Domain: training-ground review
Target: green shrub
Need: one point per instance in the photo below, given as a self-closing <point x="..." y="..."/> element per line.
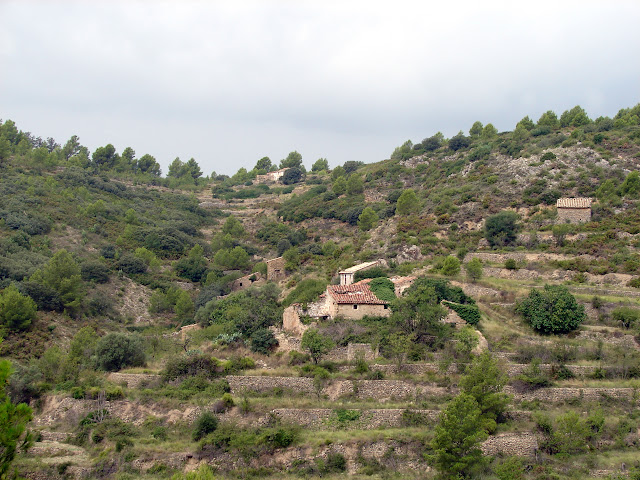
<point x="263" y="341"/>
<point x="548" y="156"/>
<point x="533" y="378"/>
<point x="336" y="462"/>
<point x="131" y="265"/>
<point x="626" y="316"/>
<point x="501" y="229"/>
<point x="280" y="437"/>
<point x="188" y="366"/>
<point x="510" y="264"/>
<point x="117" y="350"/>
<point x="383" y="288"/>
<point x="17" y="311"/>
<point x="451" y="266"/>
<point x="94" y="271"/>
<point x="552" y="310"/>
<point x="298" y="358"/>
<point x="205" y="424"/>
<point x="469" y="313"/>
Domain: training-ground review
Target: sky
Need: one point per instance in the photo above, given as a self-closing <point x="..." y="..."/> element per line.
<point x="228" y="83"/>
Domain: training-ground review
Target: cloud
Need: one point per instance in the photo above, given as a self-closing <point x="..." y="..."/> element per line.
<point x="230" y="82"/>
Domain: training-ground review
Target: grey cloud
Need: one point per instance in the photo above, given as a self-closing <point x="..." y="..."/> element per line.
<point x="229" y="82"/>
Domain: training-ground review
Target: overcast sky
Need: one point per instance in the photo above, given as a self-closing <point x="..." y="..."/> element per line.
<point x="228" y="82"/>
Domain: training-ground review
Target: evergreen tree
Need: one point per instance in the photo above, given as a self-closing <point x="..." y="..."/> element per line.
<point x="367" y="219"/>
<point x="457" y="439"/>
<point x="13" y="422"/>
<point x="407" y="203"/>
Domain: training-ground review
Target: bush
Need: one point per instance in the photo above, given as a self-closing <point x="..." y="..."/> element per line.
<point x="190" y="366"/>
<point x="469" y="313"/>
<point x="383" y="288"/>
<point x="204" y="425"/>
<point x="451" y="266"/>
<point x="131" y="265"/>
<point x="510" y="264"/>
<point x="552" y="310"/>
<point x="307" y="291"/>
<point x="117" y="350"/>
<point x="94" y="271"/>
<point x="263" y="341"/>
<point x="626" y="316"/>
<point x="17" y="311"/>
<point x="501" y="229"/>
<point x="298" y="358"/>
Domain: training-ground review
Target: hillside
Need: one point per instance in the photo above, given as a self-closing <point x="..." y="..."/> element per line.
<point x="102" y="261"/>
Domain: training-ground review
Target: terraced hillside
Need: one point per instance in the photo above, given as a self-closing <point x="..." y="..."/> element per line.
<point x="146" y="327"/>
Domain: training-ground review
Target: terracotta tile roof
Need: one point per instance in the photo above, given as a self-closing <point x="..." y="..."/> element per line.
<point x="573" y="203"/>
<point x="356" y="293"/>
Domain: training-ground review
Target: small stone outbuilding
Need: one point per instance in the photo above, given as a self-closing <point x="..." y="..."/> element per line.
<point x="275" y="269"/>
<point x="573" y="210"/>
<point x="347" y="276"/>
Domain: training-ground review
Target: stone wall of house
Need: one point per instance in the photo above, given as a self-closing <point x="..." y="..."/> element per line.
<point x="291" y="320"/>
<point x="573" y="215"/>
<point x="347" y="311"/>
<point x="275" y="269"/>
<point x="245" y="282"/>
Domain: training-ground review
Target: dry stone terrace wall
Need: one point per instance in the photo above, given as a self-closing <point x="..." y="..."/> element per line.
<point x="385" y="390"/>
<point x="561" y="394"/>
<point x="523" y="257"/>
<point x="135" y="380"/>
<point x="511" y="369"/>
<point x="67" y="411"/>
<point x="369" y="419"/>
<point x="381" y="390"/>
<point x="522" y="444"/>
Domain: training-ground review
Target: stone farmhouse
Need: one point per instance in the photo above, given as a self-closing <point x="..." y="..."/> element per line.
<point x="270" y="176"/>
<point x="352" y="301"/>
<point x="573" y="210"/>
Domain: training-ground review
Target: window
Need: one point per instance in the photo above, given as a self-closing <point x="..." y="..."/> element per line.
<point x="355" y="307"/>
<point x="386" y="307"/>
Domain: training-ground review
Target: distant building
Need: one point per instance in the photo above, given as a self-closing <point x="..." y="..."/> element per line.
<point x="347" y="276"/>
<point x="354" y="301"/>
<point x="347" y="301"/>
<point x="270" y="176"/>
<point x="275" y="269"/>
<point x="573" y="210"/>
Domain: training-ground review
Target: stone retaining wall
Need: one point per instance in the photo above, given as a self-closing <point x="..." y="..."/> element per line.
<point x="511" y="369"/>
<point x="369" y="419"/>
<point x="522" y="444"/>
<point x="381" y="390"/>
<point x="560" y="394"/>
<point x="135" y="380"/>
<point x="239" y="384"/>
